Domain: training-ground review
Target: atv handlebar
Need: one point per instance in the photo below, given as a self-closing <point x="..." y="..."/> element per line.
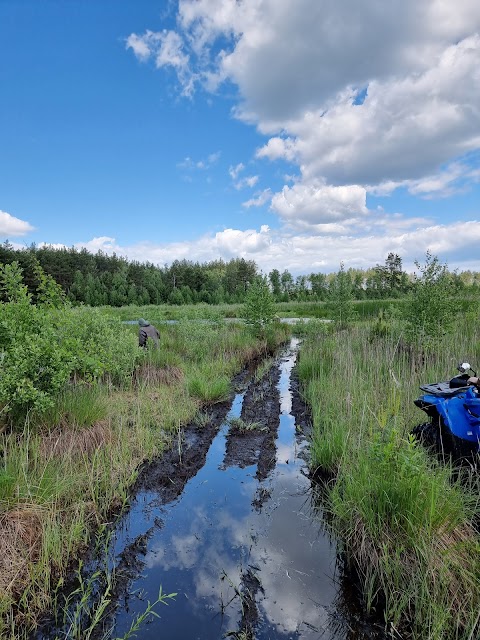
<point x="474" y="380"/>
<point x="463" y="381"/>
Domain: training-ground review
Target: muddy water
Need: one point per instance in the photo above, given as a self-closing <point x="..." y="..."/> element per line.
<point x="229" y="521"/>
<point x="241" y="545"/>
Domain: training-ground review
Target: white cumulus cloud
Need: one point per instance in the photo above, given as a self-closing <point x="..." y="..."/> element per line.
<point x="354" y="94"/>
<point x="404" y="129"/>
<point x="259" y="199"/>
<point x="304" y="205"/>
<point x="167" y="48"/>
<point x="12" y="227"/>
<point x="307" y="252"/>
<point x="358" y="99"/>
<point x="247" y="181"/>
<point x="234" y="171"/>
<point x="233" y="242"/>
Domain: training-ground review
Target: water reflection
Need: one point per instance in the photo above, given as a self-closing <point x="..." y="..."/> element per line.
<point x="228" y="320"/>
<point x="212" y="537"/>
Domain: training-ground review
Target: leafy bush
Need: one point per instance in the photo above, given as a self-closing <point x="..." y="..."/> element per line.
<point x="33" y="368"/>
<point x="43" y="348"/>
<point x="11" y="283"/>
<point x="100" y="345"/>
<point x="432" y="305"/>
<point x="259" y="308"/>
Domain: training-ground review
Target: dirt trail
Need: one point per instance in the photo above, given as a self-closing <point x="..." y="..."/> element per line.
<point x="228" y="520"/>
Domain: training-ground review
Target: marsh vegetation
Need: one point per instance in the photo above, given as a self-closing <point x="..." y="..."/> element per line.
<point x="82" y="408"/>
<point x="408" y="521"/>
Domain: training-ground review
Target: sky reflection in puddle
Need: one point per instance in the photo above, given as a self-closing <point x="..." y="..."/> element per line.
<point x="212" y="533"/>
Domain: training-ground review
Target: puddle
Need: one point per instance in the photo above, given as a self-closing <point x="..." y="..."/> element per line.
<point x="285" y="320"/>
<point x="239" y="537"/>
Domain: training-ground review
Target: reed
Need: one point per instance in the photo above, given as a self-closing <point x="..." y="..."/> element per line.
<point x="406" y="521"/>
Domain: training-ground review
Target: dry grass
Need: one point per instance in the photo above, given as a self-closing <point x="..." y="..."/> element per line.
<point x="70" y="443"/>
<point x="449" y="552"/>
<point x="452" y="551"/>
<point x="150" y="374"/>
<point x="20" y="544"/>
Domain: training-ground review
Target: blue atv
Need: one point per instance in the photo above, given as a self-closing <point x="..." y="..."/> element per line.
<point x="454" y="411"/>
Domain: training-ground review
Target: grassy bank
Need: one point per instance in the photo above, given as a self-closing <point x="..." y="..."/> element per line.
<point x="406" y="520"/>
<point x="294" y="309"/>
<point x="66" y="468"/>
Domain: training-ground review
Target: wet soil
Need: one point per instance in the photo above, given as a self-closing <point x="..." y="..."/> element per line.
<point x="169" y="475"/>
<point x="230" y="521"/>
<point x="253" y="442"/>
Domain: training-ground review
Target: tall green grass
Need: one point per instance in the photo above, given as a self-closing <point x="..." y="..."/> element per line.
<point x="207" y="385"/>
<point x="364" y="309"/>
<point x="79" y="406"/>
<point x="407" y="521"/>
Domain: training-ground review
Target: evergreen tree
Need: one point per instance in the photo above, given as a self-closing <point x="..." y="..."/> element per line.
<point x="389" y="280"/>
<point x="176" y="297"/>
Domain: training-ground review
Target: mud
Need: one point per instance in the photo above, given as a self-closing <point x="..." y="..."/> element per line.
<point x="261" y="408"/>
<point x="168" y="476"/>
<point x="228" y="519"/>
<point x="244" y="448"/>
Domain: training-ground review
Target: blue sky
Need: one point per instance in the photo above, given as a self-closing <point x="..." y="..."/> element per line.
<point x="296" y="133"/>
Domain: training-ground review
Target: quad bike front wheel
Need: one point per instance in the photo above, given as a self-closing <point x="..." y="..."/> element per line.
<point x="433" y="435"/>
<point x="429" y="435"/>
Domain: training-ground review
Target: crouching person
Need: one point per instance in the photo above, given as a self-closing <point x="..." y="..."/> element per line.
<point x="147" y="331"/>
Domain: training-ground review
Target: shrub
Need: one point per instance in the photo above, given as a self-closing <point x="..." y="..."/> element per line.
<point x="44" y="348"/>
<point x="259" y="308"/>
<point x="341" y="298"/>
<point x="432" y="305"/>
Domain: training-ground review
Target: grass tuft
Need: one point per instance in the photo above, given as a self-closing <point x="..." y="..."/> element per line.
<point x="238" y="425"/>
<point x="150" y="374"/>
<point x="208" y="385"/>
<point x="77" y="407"/>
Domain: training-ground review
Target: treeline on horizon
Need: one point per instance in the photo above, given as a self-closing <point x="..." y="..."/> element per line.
<point x="100" y="279"/>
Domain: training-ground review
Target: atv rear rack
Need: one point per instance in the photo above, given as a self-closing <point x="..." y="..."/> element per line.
<point x="442" y="389"/>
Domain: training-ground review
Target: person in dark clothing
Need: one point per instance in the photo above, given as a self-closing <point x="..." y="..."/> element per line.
<point x="146" y="331"/>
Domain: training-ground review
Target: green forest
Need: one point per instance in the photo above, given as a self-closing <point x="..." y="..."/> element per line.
<point x="99" y="279"/>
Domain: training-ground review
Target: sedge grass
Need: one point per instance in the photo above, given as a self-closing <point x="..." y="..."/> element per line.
<point x="240" y="426"/>
<point x="262" y="368"/>
<point x="208" y="386"/>
<point x="406" y="520"/>
<point x="81" y="406"/>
